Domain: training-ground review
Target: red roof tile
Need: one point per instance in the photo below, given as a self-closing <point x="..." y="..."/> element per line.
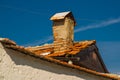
<point x="31" y="52"/>
<point x="77" y="47"/>
<point x="7" y="41"/>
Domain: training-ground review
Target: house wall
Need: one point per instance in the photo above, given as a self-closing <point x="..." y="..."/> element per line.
<point x="15" y="65"/>
<point x="90" y="59"/>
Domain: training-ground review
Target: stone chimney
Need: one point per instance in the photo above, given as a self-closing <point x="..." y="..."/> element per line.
<point x="63" y="31"/>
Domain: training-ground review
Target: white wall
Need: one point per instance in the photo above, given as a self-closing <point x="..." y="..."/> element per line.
<point x="18" y="66"/>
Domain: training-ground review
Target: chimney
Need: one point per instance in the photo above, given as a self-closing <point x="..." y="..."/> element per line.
<point x="63" y="31"/>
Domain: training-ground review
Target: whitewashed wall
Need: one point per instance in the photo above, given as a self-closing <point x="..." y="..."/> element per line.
<point x="17" y="66"/>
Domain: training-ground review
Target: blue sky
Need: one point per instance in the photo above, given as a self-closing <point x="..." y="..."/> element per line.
<point x="27" y="23"/>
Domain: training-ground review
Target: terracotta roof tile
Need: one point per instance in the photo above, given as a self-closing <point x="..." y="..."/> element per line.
<point x="77" y="47"/>
<point x="31" y="52"/>
<point x="7" y="41"/>
<point x="41" y="49"/>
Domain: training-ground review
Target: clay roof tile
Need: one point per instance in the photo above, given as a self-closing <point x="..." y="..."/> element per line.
<point x="49" y="58"/>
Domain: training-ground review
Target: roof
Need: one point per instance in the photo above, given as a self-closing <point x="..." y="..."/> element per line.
<point x="77" y="47"/>
<point x="39" y="50"/>
<point x="30" y="51"/>
<point x="62" y="15"/>
<point x="47" y="50"/>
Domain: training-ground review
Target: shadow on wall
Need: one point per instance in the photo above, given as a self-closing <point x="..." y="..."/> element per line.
<point x="26" y="60"/>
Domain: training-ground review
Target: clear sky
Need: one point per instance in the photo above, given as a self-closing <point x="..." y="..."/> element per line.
<point x="27" y="23"/>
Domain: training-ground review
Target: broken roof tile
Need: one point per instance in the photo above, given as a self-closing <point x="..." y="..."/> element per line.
<point x="41" y="49"/>
<point x="77" y="47"/>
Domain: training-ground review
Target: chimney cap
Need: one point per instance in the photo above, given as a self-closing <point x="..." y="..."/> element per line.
<point x="62" y="15"/>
